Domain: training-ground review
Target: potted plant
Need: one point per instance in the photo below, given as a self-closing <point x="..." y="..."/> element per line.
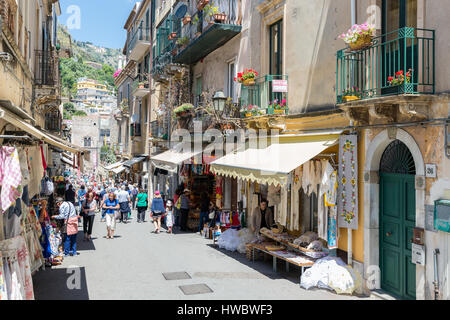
<point x="173" y="35"/>
<point x="183" y="110"/>
<point x="201" y="4"/>
<point x="209" y="13"/>
<point x="400" y="78"/>
<point x="182" y="42"/>
<point x="186" y="19"/>
<point x="359" y="37"/>
<point x="351" y="94"/>
<point x="141" y="85"/>
<point x="247" y="78"/>
<point x="276" y="107"/>
<point x="249" y="111"/>
<point x="220" y="17"/>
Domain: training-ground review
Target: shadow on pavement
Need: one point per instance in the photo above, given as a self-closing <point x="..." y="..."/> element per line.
<point x="264" y="267"/>
<point x="84" y="245"/>
<point x="61" y="284"/>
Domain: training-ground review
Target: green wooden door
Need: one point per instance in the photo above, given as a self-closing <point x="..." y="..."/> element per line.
<point x="397" y="221"/>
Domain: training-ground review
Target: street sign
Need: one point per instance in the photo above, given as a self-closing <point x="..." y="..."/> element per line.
<point x="280" y="86"/>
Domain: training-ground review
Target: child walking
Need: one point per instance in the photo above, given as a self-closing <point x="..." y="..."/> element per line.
<point x="169" y="216"/>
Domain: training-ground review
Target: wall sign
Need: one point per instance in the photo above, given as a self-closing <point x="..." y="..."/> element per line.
<point x="348" y="182"/>
<point x="418" y="254"/>
<point x="280" y="86"/>
<point x="430" y="171"/>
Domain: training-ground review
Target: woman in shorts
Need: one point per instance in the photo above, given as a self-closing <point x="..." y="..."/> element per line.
<point x="157" y="210"/>
<point x="111" y="205"/>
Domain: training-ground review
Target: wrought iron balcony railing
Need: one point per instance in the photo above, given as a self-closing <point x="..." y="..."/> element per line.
<point x="269" y="95"/>
<point x="399" y="62"/>
<point x="46" y="71"/>
<point x="141" y="34"/>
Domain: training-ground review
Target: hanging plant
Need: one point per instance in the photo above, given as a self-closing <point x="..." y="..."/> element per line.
<point x="182" y="110"/>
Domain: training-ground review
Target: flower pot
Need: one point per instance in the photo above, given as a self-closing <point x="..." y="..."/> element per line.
<point x="362" y="43"/>
<point x="249" y="82"/>
<point x="349" y="98"/>
<point x="248" y="114"/>
<point x="201" y="4"/>
<point x="220" y="17"/>
<point x="173" y="35"/>
<point x="186" y="20"/>
<point x="141" y="86"/>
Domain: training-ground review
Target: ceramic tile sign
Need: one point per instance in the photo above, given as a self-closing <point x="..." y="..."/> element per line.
<point x="430" y="170"/>
<point x="280" y="86"/>
<point x="348" y="182"/>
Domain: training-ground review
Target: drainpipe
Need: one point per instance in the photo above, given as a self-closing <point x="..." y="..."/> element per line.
<point x="436" y="275"/>
<point x="350" y="231"/>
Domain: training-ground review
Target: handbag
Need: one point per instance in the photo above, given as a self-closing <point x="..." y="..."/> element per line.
<point x="212" y="215"/>
<point x="72" y="226"/>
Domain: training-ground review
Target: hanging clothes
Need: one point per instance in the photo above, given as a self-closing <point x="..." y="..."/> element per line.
<point x="333" y="235"/>
<point x="295" y="199"/>
<point x="24" y="165"/>
<point x="10" y="176"/>
<point x="329" y="183"/>
<point x="36" y="170"/>
<point x="19" y="263"/>
<point x="283" y="207"/>
<point x="306" y="181"/>
<point x="273" y="195"/>
<point x="322" y="210"/>
<point x="3" y="291"/>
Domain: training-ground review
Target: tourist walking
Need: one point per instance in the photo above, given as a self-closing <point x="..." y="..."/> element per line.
<point x="142" y="205"/>
<point x="70" y="194"/>
<point x="89" y="208"/>
<point x="103" y="197"/>
<point x="125" y="203"/>
<point x="81" y="195"/>
<point x="68" y="213"/>
<point x="111" y="205"/>
<point x="184" y="208"/>
<point x="134" y="193"/>
<point x="170" y="217"/>
<point x="157" y="211"/>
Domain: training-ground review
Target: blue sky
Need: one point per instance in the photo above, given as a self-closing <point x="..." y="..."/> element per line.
<point x="100" y="21"/>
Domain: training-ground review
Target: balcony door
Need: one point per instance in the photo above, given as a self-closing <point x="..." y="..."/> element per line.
<point x="276" y="48"/>
<point x="398" y="14"/>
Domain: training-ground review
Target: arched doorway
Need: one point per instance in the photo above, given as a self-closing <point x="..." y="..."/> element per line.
<point x="397" y="220"/>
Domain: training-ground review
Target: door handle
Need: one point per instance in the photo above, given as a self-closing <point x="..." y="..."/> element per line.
<point x="388" y="234"/>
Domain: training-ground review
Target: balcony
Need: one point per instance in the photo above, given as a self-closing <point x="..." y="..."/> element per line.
<point x="141" y="86"/>
<point x="399" y="63"/>
<point x="138" y="44"/>
<point x="205" y="34"/>
<point x="165" y="47"/>
<point x="46" y="73"/>
<point x="268" y="96"/>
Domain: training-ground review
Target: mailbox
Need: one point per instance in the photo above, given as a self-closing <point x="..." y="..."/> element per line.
<point x="442" y="215"/>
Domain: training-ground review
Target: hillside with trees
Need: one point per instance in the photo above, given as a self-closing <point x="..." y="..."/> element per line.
<point x="74" y="68"/>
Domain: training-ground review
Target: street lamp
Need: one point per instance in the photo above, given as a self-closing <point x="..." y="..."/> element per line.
<point x="219" y="101"/>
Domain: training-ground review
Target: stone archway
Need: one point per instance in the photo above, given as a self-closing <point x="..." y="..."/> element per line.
<point x="374" y="153"/>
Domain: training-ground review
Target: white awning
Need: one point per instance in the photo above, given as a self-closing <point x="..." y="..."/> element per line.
<point x="21" y="124"/>
<point x="272" y="164"/>
<point x="170" y="160"/>
<point x="114" y="166"/>
<point x="68" y="161"/>
<point x="118" y="169"/>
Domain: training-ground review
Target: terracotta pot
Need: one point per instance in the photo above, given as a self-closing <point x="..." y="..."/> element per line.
<point x="249" y="82"/>
<point x="220" y="17"/>
<point x="186" y="20"/>
<point x="201" y="4"/>
<point x="141" y="86"/>
<point x="349" y="98"/>
<point x="173" y="35"/>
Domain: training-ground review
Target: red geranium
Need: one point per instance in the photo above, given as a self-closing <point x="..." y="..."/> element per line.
<point x="247" y="74"/>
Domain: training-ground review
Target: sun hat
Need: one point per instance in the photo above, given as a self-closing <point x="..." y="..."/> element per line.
<point x="157" y="193"/>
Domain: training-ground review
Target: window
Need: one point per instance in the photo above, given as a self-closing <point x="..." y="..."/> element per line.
<point x="276" y="48"/>
<point x="231" y="88"/>
<point x="87" y="141"/>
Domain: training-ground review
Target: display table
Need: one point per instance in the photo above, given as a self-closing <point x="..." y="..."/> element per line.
<point x="290" y="258"/>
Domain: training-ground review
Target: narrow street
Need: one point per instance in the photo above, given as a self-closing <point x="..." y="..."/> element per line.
<point x="132" y="265"/>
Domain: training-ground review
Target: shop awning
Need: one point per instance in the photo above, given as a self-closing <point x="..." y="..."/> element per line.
<point x="119" y="169"/>
<point x="170" y="159"/>
<point x="80" y="149"/>
<point x="21" y="124"/>
<point x="114" y="166"/>
<point x="272" y="165"/>
<point x="133" y="161"/>
<point x="68" y="161"/>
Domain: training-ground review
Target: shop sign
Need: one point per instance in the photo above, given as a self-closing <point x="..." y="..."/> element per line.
<point x="348" y="182"/>
<point x="280" y="86"/>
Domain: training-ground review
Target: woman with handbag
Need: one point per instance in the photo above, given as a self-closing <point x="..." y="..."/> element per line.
<point x="157" y="211"/>
<point x="68" y="213"/>
<point x="111" y="206"/>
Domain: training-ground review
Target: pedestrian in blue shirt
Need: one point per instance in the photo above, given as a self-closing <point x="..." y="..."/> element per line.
<point x="157" y="210"/>
<point x="111" y="205"/>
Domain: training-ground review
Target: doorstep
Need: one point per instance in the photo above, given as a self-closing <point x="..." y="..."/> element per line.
<point x="381" y="294"/>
